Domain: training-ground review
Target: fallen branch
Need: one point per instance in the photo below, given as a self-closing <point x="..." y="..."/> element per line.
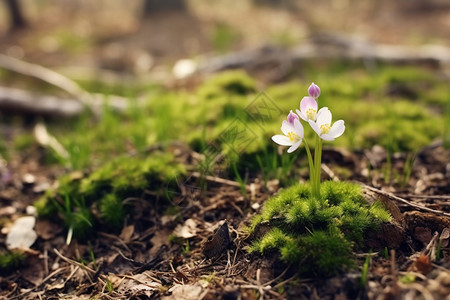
<point x="12" y="99"/>
<point x="324" y="47"/>
<point x="49" y="76"/>
<point x="17" y="100"/>
<point x="409" y="203"/>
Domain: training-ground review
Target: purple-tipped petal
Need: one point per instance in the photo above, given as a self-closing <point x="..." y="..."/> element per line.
<point x="314" y="90"/>
<point x="281" y="140"/>
<point x="337" y="129"/>
<point x="291" y="117"/>
<point x="315" y="127"/>
<point x="306" y="103"/>
<point x="294" y="147"/>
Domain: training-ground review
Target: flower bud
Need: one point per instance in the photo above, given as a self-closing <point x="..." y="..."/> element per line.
<point x="314" y="91"/>
<point x="291" y="117"/>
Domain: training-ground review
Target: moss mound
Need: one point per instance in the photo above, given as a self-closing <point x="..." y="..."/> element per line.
<point x="319" y="234"/>
<point x="11" y="260"/>
<point x="98" y="198"/>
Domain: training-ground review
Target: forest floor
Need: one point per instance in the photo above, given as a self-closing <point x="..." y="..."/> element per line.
<point x="171" y="242"/>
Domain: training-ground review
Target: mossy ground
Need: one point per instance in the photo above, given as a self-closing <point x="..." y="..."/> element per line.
<point x="400" y="108"/>
<point x="317" y="234"/>
<point x="99" y="198"/>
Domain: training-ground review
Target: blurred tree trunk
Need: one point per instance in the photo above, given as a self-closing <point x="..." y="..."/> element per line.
<point x="280" y="4"/>
<point x="15" y="12"/>
<point x="155" y="6"/>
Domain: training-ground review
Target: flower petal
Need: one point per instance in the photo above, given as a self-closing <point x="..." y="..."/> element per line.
<point x="327" y="137"/>
<point x="315" y="127"/>
<point x="321" y="110"/>
<point x="302" y="115"/>
<point x="308" y="102"/>
<point x="337" y="129"/>
<point x="324" y="117"/>
<point x="298" y="128"/>
<point x="294" y="147"/>
<point x="291" y="117"/>
<point x="281" y="140"/>
<point x="286" y="127"/>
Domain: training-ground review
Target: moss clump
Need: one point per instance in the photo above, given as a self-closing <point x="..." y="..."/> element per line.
<point x="319" y="233"/>
<point x="129" y="176"/>
<point x="112" y="210"/>
<point x="228" y="83"/>
<point x="10" y="260"/>
<point x="104" y="190"/>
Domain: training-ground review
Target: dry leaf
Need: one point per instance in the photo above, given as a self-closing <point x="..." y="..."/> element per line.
<point x="127" y="233"/>
<point x="218" y="242"/>
<point x="444" y="238"/>
<point x="187" y="292"/>
<point x="423" y="264"/>
<point x="22" y="234"/>
<point x="138" y="285"/>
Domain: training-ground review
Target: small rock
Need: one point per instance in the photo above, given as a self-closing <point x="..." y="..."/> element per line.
<point x="28" y="179"/>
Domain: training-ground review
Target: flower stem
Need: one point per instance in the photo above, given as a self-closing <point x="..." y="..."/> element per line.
<point x="317" y="166"/>
<point x="312" y="171"/>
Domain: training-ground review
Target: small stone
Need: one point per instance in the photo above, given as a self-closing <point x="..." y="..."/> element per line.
<point x="28" y="178"/>
<point x="256" y="206"/>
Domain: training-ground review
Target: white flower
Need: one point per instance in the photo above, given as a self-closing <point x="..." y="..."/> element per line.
<point x="323" y="126"/>
<point x="308" y="109"/>
<point x="293" y="135"/>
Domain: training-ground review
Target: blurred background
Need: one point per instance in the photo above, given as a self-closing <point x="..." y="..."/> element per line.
<point x="154" y="65"/>
<point x="148" y="38"/>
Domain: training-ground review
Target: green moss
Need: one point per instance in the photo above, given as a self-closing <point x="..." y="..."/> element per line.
<point x="106" y="188"/>
<point x="389" y="106"/>
<point x="129" y="176"/>
<point x="112" y="210"/>
<point x="319" y="233"/>
<point x="23" y="142"/>
<point x="10" y="260"/>
<point x="227" y="83"/>
<point x="323" y="252"/>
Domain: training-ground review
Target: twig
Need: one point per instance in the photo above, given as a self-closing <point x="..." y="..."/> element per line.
<point x="218" y="180"/>
<point x="394" y="270"/>
<point x="425" y="293"/>
<point x="393" y="197"/>
<point x="49" y="76"/>
<point x="286" y="281"/>
<point x="329" y="172"/>
<point x="56" y="272"/>
<point x="47" y="140"/>
<point x="116" y="238"/>
<point x="85" y="268"/>
<point x="278" y="277"/>
<point x="445" y="197"/>
<point x="431" y="244"/>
